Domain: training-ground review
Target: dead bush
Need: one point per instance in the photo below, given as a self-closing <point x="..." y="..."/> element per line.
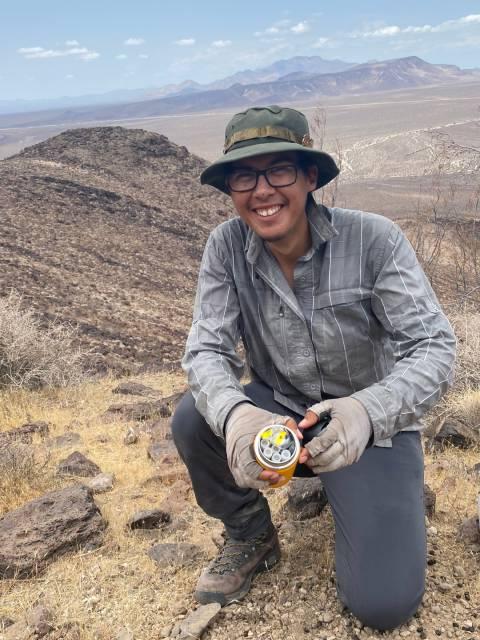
<point x="22" y="470"/>
<point x="34" y="356"/>
<point x="466" y="325"/>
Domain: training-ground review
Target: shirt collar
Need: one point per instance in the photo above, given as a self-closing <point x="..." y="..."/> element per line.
<point x="321" y="230"/>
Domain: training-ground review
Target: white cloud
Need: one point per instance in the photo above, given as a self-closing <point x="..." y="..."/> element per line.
<point x="471" y="18"/>
<point x="220" y="44"/>
<point x="301" y="27"/>
<point x="27" y="50"/>
<point x="395" y="30"/>
<point x="121" y="56"/>
<point x="185" y="42"/>
<point x="143" y="56"/>
<point x="39" y="52"/>
<point x="280" y="26"/>
<point x="323" y="43"/>
<point x="91" y="55"/>
<point x="72" y="43"/>
<point x="134" y="42"/>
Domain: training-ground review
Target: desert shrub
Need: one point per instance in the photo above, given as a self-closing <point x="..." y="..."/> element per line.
<point x="466" y="325"/>
<point x="462" y="403"/>
<point x="22" y="472"/>
<point x="34" y="356"/>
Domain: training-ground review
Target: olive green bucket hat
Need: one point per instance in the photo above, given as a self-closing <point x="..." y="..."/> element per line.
<point x="261" y="130"/>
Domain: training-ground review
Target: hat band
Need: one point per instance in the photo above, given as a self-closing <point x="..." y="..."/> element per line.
<point x="267" y="132"/>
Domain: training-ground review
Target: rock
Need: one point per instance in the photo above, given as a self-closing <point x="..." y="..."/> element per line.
<point x="195" y="624"/>
<point x="327" y="617"/>
<point x="476" y="469"/>
<point x="306" y="498"/>
<point x="37" y="623"/>
<point x="101" y="483"/>
<point x="167" y="476"/>
<point x="65" y="440"/>
<point x="35" y="427"/>
<point x="78" y="465"/>
<point x="131" y="388"/>
<point x="140" y="410"/>
<point x="39" y="619"/>
<point x="66" y="631"/>
<point x="149" y="519"/>
<point x="444" y="587"/>
<point x="124" y="634"/>
<point x="469" y="530"/>
<point x="429" y="498"/>
<point x="39" y="531"/>
<point x="158" y="450"/>
<point x="455" y="434"/>
<point x="24" y="433"/>
<point x="175" y="554"/>
<point x="173" y="400"/>
<point x="159" y="429"/>
<point x="5" y="622"/>
<point x="131" y="437"/>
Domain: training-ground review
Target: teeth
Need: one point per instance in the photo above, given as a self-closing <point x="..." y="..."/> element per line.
<point x="268" y="212"/>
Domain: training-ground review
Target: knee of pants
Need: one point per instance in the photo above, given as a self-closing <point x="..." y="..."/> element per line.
<point x="387" y="611"/>
<point x="187" y="425"/>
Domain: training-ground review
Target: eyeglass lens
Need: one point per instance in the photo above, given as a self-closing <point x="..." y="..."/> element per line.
<point x="246" y="179"/>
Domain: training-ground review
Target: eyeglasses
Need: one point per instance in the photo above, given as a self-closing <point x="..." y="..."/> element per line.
<point x="247" y="179"/>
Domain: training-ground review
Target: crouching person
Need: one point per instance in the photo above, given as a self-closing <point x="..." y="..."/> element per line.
<point x="336" y="316"/>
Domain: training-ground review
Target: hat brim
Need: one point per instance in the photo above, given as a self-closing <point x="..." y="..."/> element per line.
<point x="214" y="175"/>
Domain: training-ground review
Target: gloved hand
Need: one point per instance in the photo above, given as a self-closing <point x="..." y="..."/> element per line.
<point x="344" y="439"/>
<point x="243" y="424"/>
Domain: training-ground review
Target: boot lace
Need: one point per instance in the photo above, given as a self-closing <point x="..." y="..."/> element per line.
<point x="234" y="554"/>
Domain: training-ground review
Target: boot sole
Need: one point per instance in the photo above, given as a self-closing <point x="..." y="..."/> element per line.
<point x="207" y="597"/>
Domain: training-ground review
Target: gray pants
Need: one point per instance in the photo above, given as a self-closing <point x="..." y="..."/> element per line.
<point x="377" y="505"/>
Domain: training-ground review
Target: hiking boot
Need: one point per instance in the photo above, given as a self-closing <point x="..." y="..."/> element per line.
<point x="229" y="575"/>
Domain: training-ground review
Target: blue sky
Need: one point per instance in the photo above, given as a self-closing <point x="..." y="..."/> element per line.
<point x="52" y="48"/>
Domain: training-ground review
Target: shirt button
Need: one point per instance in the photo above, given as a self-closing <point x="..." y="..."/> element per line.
<point x="306" y="353"/>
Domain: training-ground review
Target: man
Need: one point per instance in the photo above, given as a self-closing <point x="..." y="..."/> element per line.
<point x="335" y="315"/>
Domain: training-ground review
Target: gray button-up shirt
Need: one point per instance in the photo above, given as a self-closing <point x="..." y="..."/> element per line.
<point x="362" y="320"/>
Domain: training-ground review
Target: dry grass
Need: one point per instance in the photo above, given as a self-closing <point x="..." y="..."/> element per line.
<point x="34" y="356"/>
<point x="118" y="586"/>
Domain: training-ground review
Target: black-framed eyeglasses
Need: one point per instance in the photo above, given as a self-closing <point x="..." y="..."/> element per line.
<point x="282" y="175"/>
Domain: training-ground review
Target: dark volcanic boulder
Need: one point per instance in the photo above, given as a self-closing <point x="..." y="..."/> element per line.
<point x="78" y="465"/>
<point x="39" y="531"/>
<point x="306" y="498"/>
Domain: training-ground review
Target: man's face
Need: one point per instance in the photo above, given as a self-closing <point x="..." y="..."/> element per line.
<point x="276" y="214"/>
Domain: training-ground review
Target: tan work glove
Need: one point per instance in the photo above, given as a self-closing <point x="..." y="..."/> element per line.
<point x="343" y="440"/>
<point x="243" y="424"/>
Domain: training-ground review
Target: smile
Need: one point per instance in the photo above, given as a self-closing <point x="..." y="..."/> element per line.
<point x="268" y="211"/>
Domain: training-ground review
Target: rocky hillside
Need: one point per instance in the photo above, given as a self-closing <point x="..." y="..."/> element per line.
<point x="104" y="228"/>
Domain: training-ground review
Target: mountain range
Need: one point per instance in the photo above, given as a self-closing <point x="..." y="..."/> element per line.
<point x="294" y="87"/>
<point x="274" y="71"/>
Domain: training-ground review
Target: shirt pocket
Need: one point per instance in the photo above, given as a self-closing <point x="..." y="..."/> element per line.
<point x="345" y="331"/>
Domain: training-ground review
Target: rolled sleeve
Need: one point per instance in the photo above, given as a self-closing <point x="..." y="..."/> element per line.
<point x="212" y="364"/>
<point x="405" y="304"/>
